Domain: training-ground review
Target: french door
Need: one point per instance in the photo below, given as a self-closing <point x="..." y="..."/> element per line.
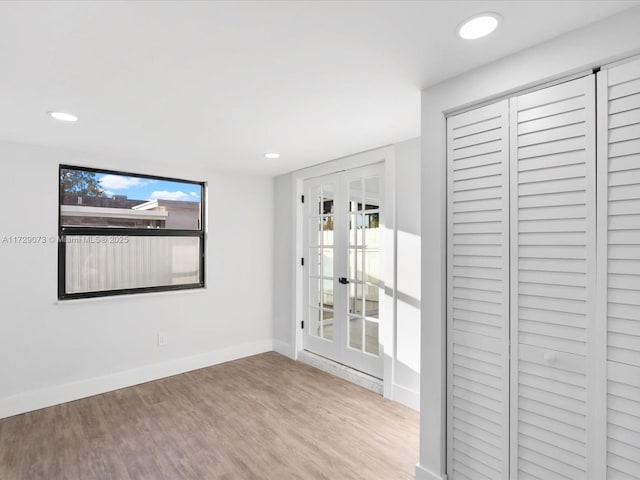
<point x="343" y="219"/>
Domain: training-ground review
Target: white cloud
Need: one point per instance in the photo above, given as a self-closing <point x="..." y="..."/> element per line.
<point x="117" y="182"/>
<point x="194" y="194"/>
<point x="166" y="195"/>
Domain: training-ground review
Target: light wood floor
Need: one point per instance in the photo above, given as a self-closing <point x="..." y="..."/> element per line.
<point x="262" y="417"/>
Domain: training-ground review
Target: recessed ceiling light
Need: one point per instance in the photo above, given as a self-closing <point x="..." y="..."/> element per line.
<point x="479" y="26"/>
<point x="65" y="117"/>
<point x="272" y="155"/>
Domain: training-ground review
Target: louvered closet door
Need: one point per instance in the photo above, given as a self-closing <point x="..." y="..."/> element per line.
<point x="619" y="244"/>
<point x="478" y="294"/>
<point x="553" y="280"/>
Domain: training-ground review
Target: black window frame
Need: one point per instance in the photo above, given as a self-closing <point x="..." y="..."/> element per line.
<point x="64" y="231"/>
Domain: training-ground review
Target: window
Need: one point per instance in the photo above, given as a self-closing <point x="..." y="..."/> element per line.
<point x="128" y="233"/>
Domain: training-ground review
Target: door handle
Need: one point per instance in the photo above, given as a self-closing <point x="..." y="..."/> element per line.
<point x="343" y="280"/>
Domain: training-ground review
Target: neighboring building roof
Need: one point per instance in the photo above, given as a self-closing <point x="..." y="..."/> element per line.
<point x="104" y="212"/>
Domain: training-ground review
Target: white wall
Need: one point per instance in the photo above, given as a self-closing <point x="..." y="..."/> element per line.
<point x="407" y="350"/>
<point x="404" y="386"/>
<point x="580" y="50"/>
<point x="284" y="262"/>
<point x="53" y="351"/>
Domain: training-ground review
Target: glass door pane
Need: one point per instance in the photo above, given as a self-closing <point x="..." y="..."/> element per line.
<point x="363" y="264"/>
<point x="321" y="257"/>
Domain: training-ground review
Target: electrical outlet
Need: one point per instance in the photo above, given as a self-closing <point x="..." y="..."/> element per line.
<point x="163" y="339"/>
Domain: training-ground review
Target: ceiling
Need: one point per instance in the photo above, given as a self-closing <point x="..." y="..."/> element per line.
<point x="220" y="84"/>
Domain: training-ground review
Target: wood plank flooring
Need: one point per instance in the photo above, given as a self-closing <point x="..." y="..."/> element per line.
<point x="261" y="417"/>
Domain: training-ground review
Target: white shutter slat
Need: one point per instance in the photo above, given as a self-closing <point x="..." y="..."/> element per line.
<point x="544" y="289"/>
<point x="567" y="429"/>
<point x="478" y="194"/>
<point x="564" y="376"/>
<point x="476" y="183"/>
<point x="619" y="210"/>
<point x="630" y="282"/>
<point x="628" y="162"/>
<point x="559" y="120"/>
<point x="550" y="161"/>
<point x="477" y="272"/>
<point x="554" y="199"/>
<point x="623" y="192"/>
<point x="477" y="171"/>
<point x="626" y="132"/>
<point x="564" y="238"/>
<point x="626" y="177"/>
<point x="550" y="134"/>
<point x="477" y="205"/>
<point x="474" y="151"/>
<point x="477" y="441"/>
<point x="553" y="186"/>
<point x="622" y="467"/>
<point x="551" y="278"/>
<point x="545" y="316"/>
<point x="551" y="109"/>
<point x="561" y="468"/>
<point x="477" y="319"/>
<point x="624" y="118"/>
<point x="462" y="472"/>
<point x="624" y="89"/>
<point x="624" y="104"/>
<point x="625" y="207"/>
<point x="552" y="147"/>
<point x="624" y="222"/>
<point x="623" y="73"/>
<point x="484" y="136"/>
<point x="552" y="173"/>
<point x="550" y="319"/>
<point x="626" y="327"/>
<point x="477" y="161"/>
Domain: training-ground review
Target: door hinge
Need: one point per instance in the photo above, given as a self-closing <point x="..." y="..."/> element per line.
<point x="302" y="198"/>
<point x="302" y="324"/>
<point x="302" y="261"/>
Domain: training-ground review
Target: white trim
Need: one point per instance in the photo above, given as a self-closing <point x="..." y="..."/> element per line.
<point x="618" y="62"/>
<point x="406" y="396"/>
<point x="423" y="474"/>
<point x="284" y="348"/>
<point x="341" y="371"/>
<point x="384" y="154"/>
<point x="596" y="433"/>
<point x="57" y="394"/>
<point x="557" y="80"/>
<point x="599" y="327"/>
<point x="513" y="267"/>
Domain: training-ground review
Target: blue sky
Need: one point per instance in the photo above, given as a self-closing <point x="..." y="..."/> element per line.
<point x="148" y="189"/>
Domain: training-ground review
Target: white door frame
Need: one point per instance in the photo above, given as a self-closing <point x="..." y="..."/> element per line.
<point x="388" y="254"/>
<point x="338" y="348"/>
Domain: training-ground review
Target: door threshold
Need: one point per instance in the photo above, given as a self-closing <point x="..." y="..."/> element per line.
<point x="339" y="370"/>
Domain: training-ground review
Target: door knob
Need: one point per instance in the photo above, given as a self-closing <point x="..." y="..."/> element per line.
<point x="343" y="280"/>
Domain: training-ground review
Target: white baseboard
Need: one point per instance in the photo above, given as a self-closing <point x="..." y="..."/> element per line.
<point x="284" y="348"/>
<point x="424" y="474"/>
<point x="407" y="397"/>
<point x="36" y="399"/>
